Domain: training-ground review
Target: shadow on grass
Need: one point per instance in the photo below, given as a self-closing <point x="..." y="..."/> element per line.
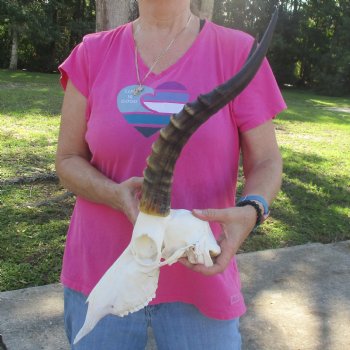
<point x="24" y="164"/>
<point x="32" y="238"/>
<point x="27" y="139"/>
<point x="302" y="285"/>
<point x="19" y="76"/>
<point x="313" y="206"/>
<point x="304" y="107"/>
<point x="23" y="93"/>
<point x="23" y="100"/>
<point x="319" y="199"/>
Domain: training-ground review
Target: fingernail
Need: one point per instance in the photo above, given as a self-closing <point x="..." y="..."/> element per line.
<point x="198" y="211"/>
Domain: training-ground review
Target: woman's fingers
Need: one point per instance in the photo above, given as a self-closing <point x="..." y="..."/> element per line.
<point x="219" y="215"/>
<point x="220" y="262"/>
<point x="130" y="191"/>
<point x="236" y="224"/>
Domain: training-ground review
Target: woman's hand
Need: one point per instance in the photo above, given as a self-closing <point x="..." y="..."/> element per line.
<point x="262" y="166"/>
<point x="236" y="225"/>
<point x="128" y="197"/>
<point x="73" y="162"/>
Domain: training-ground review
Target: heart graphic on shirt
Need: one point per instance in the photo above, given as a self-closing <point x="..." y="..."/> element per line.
<point x="150" y="111"/>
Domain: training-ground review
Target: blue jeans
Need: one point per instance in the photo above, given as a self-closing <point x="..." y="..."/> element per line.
<point x="175" y="326"/>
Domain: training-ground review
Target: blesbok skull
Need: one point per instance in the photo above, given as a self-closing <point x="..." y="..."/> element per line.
<point x="161" y="235"/>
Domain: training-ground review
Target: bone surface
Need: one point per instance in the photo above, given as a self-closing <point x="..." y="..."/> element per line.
<point x="125" y="287"/>
<point x="131" y="282"/>
<point x="187" y="236"/>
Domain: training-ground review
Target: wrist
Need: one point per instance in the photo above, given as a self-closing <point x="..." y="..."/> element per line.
<point x="248" y="213"/>
<point x="113" y="194"/>
<point x="253" y="205"/>
<point x="261" y="202"/>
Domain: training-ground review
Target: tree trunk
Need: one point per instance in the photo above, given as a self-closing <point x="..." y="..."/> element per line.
<point x="203" y="8"/>
<point x="14" y="50"/>
<point x="111" y="13"/>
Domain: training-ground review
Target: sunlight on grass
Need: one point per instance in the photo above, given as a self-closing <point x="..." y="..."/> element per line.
<point x="335" y="102"/>
<point x="32" y="237"/>
<point x="313" y="205"/>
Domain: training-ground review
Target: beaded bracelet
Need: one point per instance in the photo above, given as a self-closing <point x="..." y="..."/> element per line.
<point x="257" y="208"/>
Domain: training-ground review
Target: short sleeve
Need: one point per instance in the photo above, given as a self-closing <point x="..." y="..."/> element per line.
<point x="260" y="101"/>
<point x="75" y="69"/>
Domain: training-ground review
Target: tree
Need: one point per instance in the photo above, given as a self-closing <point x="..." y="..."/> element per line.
<point x="39" y="34"/>
<point x="327" y="35"/>
<point x="310" y="46"/>
<point x="203" y="8"/>
<point x="111" y="13"/>
<point x="13" y="14"/>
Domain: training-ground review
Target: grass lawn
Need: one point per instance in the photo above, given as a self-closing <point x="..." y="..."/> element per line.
<point x="314" y="203"/>
<point x="313" y="206"/>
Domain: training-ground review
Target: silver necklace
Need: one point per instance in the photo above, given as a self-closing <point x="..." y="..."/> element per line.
<point x="138" y="89"/>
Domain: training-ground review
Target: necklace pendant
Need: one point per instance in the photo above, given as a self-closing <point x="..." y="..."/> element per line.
<point x="138" y="90"/>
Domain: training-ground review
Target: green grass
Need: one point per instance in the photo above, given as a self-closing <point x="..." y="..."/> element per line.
<point x="29" y="111"/>
<point x="313" y="206"/>
<point x="32" y="238"/>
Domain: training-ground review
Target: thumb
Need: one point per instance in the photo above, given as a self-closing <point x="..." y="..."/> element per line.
<point x="136" y="181"/>
<point x="220" y="215"/>
<point x="135" y="184"/>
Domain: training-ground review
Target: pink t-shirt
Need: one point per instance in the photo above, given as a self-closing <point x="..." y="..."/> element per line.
<point x="121" y="128"/>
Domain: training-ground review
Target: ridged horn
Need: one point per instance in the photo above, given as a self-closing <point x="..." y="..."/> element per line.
<point x="158" y="175"/>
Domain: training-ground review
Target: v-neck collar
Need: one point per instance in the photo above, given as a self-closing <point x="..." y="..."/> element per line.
<point x="144" y="68"/>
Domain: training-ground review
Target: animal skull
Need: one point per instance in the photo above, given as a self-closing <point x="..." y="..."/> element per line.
<point x="161" y="236"/>
<point x="187" y="236"/>
<point x="131" y="282"/>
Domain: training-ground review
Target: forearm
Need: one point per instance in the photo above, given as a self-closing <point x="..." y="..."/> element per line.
<point x="262" y="162"/>
<point x="264" y="178"/>
<point x="80" y="177"/>
<point x="262" y="166"/>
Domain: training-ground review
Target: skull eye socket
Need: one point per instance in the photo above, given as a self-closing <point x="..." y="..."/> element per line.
<point x="145" y="249"/>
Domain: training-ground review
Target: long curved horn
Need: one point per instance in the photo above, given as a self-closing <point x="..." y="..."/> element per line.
<point x="158" y="175"/>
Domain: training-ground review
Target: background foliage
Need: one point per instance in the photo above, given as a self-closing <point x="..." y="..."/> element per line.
<point x="311" y="47"/>
<point x="48" y="29"/>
